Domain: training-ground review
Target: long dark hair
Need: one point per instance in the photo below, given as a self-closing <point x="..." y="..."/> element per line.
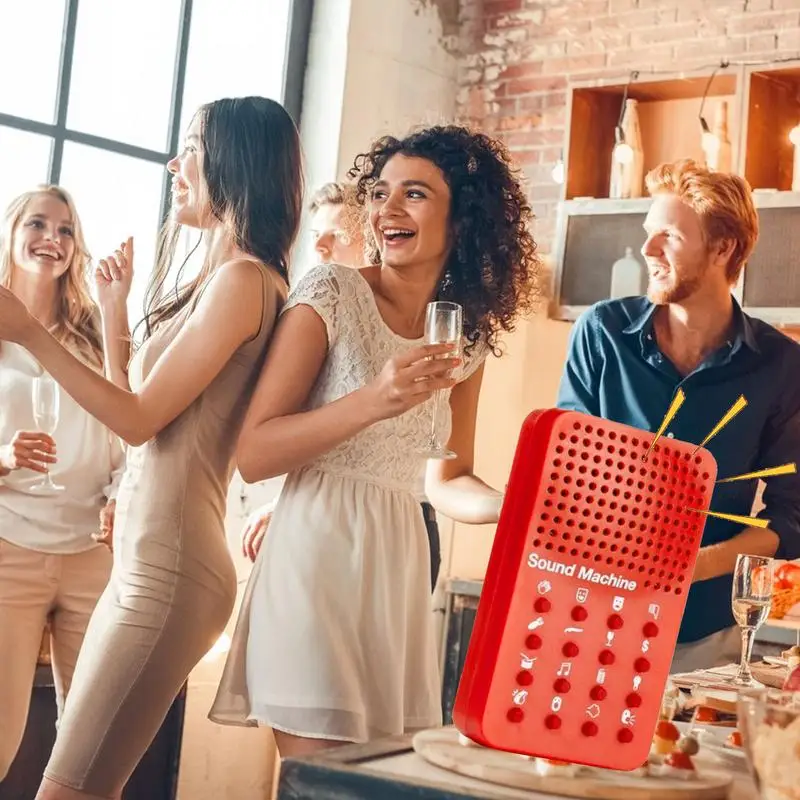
<point x="252" y="167"/>
<point x="493" y="270"/>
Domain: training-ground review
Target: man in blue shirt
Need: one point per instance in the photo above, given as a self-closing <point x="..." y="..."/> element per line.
<point x="627" y="359"/>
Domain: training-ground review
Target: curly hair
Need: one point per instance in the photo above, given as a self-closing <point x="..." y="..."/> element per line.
<point x="493" y="270"/>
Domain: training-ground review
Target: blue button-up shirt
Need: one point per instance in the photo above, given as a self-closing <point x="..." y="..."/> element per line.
<point x="615" y="370"/>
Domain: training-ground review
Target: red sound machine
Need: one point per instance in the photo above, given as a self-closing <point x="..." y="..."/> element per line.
<point x="584" y="592"/>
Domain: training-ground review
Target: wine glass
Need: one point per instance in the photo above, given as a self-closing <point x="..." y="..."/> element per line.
<point x="751" y="598"/>
<point x="45" y="413"/>
<point x="444" y="323"/>
<point x="769" y="721"/>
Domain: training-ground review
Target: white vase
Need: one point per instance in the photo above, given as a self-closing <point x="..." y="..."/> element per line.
<point x="627" y="276"/>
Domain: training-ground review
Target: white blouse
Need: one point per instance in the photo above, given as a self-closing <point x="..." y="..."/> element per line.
<point x="90" y="464"/>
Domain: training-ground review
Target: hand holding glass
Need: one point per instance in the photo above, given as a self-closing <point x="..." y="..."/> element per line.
<point x="444" y="323"/>
<point x="751" y="598"/>
<point x="45" y="413"/>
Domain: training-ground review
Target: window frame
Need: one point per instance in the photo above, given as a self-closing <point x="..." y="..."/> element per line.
<point x="298" y="32"/>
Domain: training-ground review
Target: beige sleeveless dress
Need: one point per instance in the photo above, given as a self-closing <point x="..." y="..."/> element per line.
<point x="173" y="584"/>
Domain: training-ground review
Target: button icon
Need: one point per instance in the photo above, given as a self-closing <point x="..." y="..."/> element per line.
<point x="645" y="646"/>
<point x="544" y="587"/>
<point x="593" y="711"/>
<point x="637" y="682"/>
<point x="556" y="704"/>
<point x="617" y="603"/>
<point x="582" y="595"/>
<point x="526" y="661"/>
<point x="628" y="717"/>
<point x="609" y="638"/>
<point x="537" y="623"/>
<point x="519" y="696"/>
<point x="654" y="609"/>
<point x="601" y="676"/>
<point x="565" y="668"/>
<point x="573" y="630"/>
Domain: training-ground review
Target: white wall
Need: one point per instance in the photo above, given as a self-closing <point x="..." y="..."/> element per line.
<point x="375" y="67"/>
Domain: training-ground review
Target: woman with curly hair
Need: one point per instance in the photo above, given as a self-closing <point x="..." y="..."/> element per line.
<point x="335" y="640"/>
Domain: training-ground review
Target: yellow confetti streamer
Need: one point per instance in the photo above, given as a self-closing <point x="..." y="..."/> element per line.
<point x="676" y="403"/>
<point x="729" y="415"/>
<point x="754" y="522"/>
<point x="770" y="472"/>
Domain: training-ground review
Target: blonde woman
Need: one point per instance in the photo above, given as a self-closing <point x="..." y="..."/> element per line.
<point x="50" y="563"/>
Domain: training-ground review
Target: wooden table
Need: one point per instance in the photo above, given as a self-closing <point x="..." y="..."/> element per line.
<point x="389" y="769"/>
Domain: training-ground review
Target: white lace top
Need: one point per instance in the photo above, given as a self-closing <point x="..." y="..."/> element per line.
<point x="359" y="345"/>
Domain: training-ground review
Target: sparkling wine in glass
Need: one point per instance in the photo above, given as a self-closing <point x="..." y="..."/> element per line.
<point x="444" y="323"/>
<point x="751" y="598"/>
<point x="45" y="413"/>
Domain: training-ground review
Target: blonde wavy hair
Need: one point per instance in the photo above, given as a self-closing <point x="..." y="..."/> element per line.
<point x="78" y="320"/>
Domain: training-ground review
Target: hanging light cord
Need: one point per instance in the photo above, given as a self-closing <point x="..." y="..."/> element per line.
<point x="703" y="124"/>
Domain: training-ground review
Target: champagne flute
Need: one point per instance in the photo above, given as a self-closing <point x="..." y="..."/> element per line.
<point x="444" y="323"/>
<point x="45" y="413"/>
<point x="751" y="598"/>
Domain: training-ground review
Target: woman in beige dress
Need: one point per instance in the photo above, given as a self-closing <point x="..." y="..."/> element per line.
<point x="172" y="588"/>
<point x="335" y="638"/>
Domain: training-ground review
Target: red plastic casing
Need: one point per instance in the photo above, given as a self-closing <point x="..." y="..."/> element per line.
<point x="584" y="592"/>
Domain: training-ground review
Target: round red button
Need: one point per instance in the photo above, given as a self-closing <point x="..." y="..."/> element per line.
<point x="542" y="605"/>
<point x="625" y="735"/>
<point x="524" y="678"/>
<point x="570" y="650"/>
<point x="579" y="613"/>
<point x="615" y="622"/>
<point x="552" y="722"/>
<point x="598" y="693"/>
<point x="515" y="715"/>
<point x="589" y="729"/>
<point x="633" y="700"/>
<point x="607" y="657"/>
<point x="562" y="686"/>
<point x="533" y="642"/>
<point x="650" y="630"/>
<point x="641" y="665"/>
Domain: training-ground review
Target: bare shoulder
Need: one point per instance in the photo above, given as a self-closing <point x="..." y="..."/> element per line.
<point x="371" y="274"/>
<point x="242" y="279"/>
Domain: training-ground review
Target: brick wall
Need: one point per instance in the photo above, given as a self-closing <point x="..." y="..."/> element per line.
<point x="517" y="57"/>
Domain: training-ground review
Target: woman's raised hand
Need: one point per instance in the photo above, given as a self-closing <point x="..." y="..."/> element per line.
<point x="113" y="276"/>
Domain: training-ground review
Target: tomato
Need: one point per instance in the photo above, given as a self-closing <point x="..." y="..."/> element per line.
<point x="705" y="714"/>
<point x="789" y="572"/>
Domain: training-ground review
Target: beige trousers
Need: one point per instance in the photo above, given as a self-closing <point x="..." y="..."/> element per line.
<point x="34" y="586"/>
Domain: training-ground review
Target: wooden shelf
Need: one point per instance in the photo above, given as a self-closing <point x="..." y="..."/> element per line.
<point x="772" y="109"/>
<point x="668" y="118"/>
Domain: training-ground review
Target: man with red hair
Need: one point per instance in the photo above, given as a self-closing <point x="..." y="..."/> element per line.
<point x="628" y="357"/>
